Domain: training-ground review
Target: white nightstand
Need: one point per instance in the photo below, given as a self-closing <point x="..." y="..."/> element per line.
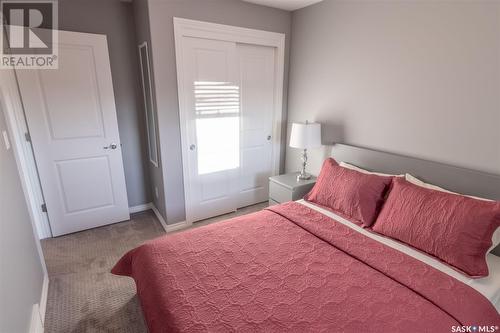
<point x="285" y="188"/>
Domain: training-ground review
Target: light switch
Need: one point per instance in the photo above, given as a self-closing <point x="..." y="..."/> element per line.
<point x="6" y="139"/>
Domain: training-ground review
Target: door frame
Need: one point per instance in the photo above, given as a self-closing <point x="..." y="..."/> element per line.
<point x="14" y="117"/>
<point x="14" y="112"/>
<point x="207" y="30"/>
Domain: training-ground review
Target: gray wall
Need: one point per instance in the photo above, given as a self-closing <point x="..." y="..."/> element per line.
<point x="21" y="272"/>
<point x="420" y="78"/>
<point x="161" y="15"/>
<point x="141" y="18"/>
<point x="115" y="19"/>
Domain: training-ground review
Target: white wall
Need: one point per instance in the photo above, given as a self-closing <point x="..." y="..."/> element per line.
<point x="420" y="78"/>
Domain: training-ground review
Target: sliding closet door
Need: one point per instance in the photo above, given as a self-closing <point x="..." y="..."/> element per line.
<point x="210" y="126"/>
<point x="256" y="67"/>
<point x="227" y="99"/>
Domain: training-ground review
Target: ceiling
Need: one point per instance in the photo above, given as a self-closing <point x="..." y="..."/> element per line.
<point x="284" y="4"/>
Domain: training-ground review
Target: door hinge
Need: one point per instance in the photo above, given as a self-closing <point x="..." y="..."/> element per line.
<point x="27" y="136"/>
<point x="44" y="208"/>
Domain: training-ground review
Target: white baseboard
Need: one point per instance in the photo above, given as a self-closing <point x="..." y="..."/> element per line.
<point x="168" y="227"/>
<point x="37" y="321"/>
<point x="177" y="226"/>
<point x="140" y="208"/>
<point x="43" y="298"/>
<point x="159" y="217"/>
<point x="36" y="324"/>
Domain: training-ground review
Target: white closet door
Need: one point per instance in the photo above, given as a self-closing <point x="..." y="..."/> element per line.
<point x="211" y="126"/>
<point x="71" y="116"/>
<point x="257" y="75"/>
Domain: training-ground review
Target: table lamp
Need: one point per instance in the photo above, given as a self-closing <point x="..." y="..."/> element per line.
<point x="305" y="136"/>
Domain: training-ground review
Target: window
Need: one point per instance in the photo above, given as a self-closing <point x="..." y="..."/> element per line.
<point x="148" y="103"/>
<point x="217" y="107"/>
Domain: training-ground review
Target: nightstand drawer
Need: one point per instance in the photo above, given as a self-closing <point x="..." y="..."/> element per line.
<point x="286" y="187"/>
<point x="279" y="193"/>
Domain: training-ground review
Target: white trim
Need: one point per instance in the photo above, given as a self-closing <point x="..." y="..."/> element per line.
<point x="177" y="226"/>
<point x="14" y="112"/>
<point x="38" y="312"/>
<point x="12" y="102"/>
<point x="15" y="121"/>
<point x="158" y="215"/>
<point x="140" y="46"/>
<point x="207" y="30"/>
<point x="201" y="29"/>
<point x="168" y="227"/>
<point x="140" y="208"/>
<point x="36" y="323"/>
<point x="43" y="298"/>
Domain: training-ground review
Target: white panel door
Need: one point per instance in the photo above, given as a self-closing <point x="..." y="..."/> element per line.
<point x="71" y="116"/>
<point x="256" y="66"/>
<point x="210" y="126"/>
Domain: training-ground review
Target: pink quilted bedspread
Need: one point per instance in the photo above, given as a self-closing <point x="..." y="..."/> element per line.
<point x="291" y="269"/>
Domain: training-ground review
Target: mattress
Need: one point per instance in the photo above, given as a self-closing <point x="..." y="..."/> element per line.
<point x="291" y="268"/>
<point x="488" y="286"/>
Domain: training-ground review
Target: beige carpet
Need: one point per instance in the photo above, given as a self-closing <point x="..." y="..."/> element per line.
<point x="83" y="296"/>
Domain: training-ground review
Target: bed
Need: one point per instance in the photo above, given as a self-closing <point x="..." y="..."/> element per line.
<point x="300" y="267"/>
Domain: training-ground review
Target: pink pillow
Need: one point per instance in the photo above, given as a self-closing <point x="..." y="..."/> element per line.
<point x="453" y="228"/>
<point x="354" y="195"/>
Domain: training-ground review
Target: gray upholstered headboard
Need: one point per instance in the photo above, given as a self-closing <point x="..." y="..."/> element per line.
<point x="452" y="178"/>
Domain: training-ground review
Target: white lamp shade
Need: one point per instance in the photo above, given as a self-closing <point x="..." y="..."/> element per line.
<point x="305" y="136"/>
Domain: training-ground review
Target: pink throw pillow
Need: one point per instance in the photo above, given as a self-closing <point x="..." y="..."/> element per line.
<point x="354" y="195"/>
<point x="453" y="228"/>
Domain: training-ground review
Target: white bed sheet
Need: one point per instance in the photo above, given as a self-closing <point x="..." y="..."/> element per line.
<point x="488" y="286"/>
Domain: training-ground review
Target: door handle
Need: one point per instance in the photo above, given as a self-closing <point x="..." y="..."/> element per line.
<point x="111" y="146"/>
<point x="268" y="138"/>
<point x="192" y="147"/>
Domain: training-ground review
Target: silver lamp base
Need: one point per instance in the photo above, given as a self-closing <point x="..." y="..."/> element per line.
<point x="303" y="175"/>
